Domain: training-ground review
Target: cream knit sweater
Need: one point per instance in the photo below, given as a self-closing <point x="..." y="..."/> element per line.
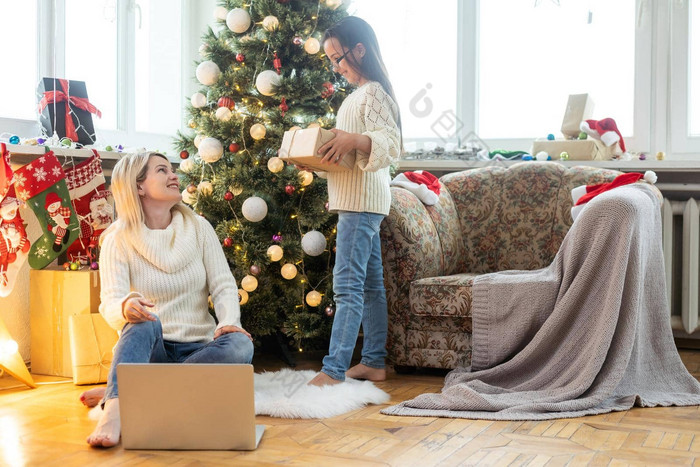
<point x="176" y="268"/>
<point x="372" y="112"/>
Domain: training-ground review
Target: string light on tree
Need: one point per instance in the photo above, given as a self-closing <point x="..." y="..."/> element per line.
<point x="249" y="283"/>
<point x="238" y="20"/>
<point x="275" y="253"/>
<point x="257" y="131"/>
<point x="275" y="164"/>
<point x="312" y="46"/>
<point x="289" y="271"/>
<point x="313" y="298"/>
<point x="305" y="178"/>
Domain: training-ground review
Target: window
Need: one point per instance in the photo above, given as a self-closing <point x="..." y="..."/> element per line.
<point x="18" y="47"/>
<point x="694" y="72"/>
<point x="684" y="109"/>
<point x="419" y="48"/>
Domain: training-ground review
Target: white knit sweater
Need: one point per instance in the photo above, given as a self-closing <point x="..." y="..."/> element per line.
<point x="369" y="111"/>
<point x="175" y="268"/>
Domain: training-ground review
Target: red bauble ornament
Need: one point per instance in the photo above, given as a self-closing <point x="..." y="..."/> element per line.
<point x="228" y="196"/>
<point x="234" y="147"/>
<point x="283" y="106"/>
<point x="277" y="63"/>
<point x="298" y="40"/>
<point x="329" y="311"/>
<point x="226" y="101"/>
<point x="328" y="90"/>
<point x="184" y="154"/>
<point x="228" y="241"/>
<point x="289" y="189"/>
<point x="240" y="58"/>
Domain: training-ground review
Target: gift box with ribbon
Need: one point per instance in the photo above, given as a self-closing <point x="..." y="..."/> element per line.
<point x="64" y="108"/>
<point x="91" y="347"/>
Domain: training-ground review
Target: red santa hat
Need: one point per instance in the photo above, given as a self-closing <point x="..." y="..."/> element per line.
<point x="423" y="184"/>
<point x="604" y="130"/>
<point x="583" y="194"/>
<point x="51" y="198"/>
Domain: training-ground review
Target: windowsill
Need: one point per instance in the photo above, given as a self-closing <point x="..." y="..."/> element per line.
<point x="445" y="165"/>
<point x="22" y="154"/>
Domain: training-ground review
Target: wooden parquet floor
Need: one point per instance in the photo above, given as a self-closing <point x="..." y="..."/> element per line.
<point x="48" y="426"/>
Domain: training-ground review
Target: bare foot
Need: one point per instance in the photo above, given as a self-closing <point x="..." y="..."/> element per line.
<point x="93" y="396"/>
<point x="108" y="429"/>
<point x="322" y="379"/>
<point x="361" y="371"/>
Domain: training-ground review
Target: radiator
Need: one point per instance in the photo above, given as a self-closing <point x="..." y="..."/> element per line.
<point x="681" y="245"/>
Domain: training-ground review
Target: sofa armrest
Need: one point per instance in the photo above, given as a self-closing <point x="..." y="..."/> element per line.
<point x="410" y="250"/>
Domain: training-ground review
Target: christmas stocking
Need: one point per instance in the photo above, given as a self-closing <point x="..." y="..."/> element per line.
<point x="42" y="185"/>
<point x="13" y="237"/>
<point x="92" y="205"/>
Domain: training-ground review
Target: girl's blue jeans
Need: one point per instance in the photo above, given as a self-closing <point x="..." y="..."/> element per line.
<point x="360" y="297"/>
<point x="143" y="343"/>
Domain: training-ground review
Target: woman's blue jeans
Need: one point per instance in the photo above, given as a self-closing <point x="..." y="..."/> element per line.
<point x="143" y="343"/>
<point x="360" y="297"/>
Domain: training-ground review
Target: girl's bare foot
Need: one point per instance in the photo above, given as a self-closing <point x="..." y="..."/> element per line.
<point x="322" y="379"/>
<point x="108" y="429"/>
<point x="361" y="371"/>
<point x="93" y="396"/>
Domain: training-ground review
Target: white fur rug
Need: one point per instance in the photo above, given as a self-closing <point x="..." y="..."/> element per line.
<point x="285" y="394"/>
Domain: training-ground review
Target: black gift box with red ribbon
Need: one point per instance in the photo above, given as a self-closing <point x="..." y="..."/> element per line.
<point x="65" y="108"/>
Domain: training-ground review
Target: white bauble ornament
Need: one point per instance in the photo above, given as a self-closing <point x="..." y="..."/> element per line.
<point x="267" y="81"/>
<point x="198" y="100"/>
<point x="249" y="283"/>
<point x="198" y="140"/>
<point x="208" y="72"/>
<point x="205" y="187"/>
<point x="254" y="209"/>
<point x="242" y="296"/>
<point x="542" y="156"/>
<point x="270" y="23"/>
<point x="275" y="253"/>
<point x="258" y="131"/>
<point x="312" y="45"/>
<point x="188" y="198"/>
<point x="224" y="114"/>
<point x="313" y="243"/>
<point x="313" y="298"/>
<point x="238" y="20"/>
<point x="203" y="50"/>
<point x="211" y="150"/>
<point x="289" y="271"/>
<point x="275" y="164"/>
<point x="306" y="177"/>
<point x="220" y="12"/>
<point x="187" y="165"/>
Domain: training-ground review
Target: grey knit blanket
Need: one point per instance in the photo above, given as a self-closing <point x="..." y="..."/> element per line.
<point x="589" y="334"/>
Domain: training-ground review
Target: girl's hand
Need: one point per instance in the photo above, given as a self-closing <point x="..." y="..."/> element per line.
<point x="336" y="148"/>
<point x="229" y="329"/>
<point x="134" y="310"/>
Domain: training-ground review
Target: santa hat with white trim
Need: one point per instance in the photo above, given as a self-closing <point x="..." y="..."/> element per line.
<point x="604" y="130"/>
<point x="584" y="193"/>
<point x="423" y="184"/>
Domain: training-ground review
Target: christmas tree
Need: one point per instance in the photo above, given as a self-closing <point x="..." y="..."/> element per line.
<point x="264" y="72"/>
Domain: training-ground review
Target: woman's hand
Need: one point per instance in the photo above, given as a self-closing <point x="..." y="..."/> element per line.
<point x="335" y="149"/>
<point x="229" y="329"/>
<point x="134" y="310"/>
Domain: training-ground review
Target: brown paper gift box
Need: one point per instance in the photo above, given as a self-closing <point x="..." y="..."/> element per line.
<point x="92" y="341"/>
<point x="300" y="147"/>
<point x="578" y="149"/>
<point x="55" y="295"/>
<point x="579" y="107"/>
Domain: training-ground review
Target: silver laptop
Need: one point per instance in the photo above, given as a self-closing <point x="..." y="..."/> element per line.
<point x="188" y="406"/>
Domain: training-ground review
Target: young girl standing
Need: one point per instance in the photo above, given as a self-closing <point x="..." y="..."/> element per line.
<point x="367" y="124"/>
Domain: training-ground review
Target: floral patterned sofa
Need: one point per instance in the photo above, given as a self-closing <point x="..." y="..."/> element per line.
<point x="487" y="219"/>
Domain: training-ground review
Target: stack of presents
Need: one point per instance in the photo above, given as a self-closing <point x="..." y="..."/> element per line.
<point x="69" y="337"/>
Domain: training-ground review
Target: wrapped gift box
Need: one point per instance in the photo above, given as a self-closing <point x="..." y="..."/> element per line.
<point x="66" y="109"/>
<point x="300" y="147"/>
<point x="55" y="295"/>
<point x="92" y="343"/>
<point x="579" y="107"/>
<point x="578" y="149"/>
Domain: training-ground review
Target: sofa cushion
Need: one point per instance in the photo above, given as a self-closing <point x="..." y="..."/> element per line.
<point x="442" y="296"/>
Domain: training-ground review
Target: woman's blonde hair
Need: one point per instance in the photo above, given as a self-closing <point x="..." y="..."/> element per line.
<point x="129" y="171"/>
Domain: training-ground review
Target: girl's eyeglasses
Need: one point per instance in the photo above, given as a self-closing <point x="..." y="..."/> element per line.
<point x="336" y="62"/>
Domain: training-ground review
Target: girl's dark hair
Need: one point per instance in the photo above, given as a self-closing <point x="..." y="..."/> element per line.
<point x="352" y="30"/>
